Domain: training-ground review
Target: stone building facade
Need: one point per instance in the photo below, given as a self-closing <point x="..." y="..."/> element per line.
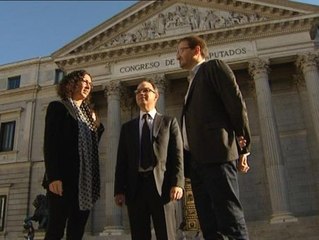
<point x="273" y="48"/>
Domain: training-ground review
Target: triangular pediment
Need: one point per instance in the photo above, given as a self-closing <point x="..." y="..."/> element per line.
<point x="180" y="19"/>
<point x="160" y="22"/>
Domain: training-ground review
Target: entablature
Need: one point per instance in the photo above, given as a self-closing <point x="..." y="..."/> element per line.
<point x="213" y="37"/>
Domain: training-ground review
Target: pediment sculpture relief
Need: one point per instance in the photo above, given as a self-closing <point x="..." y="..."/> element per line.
<point x="182" y="19"/>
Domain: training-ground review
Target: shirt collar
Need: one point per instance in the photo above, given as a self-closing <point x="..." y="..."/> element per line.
<point x="196" y="67"/>
<point x="193" y="72"/>
<point x="152" y="113"/>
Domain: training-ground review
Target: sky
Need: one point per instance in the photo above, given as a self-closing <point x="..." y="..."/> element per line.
<point x="31" y="29"/>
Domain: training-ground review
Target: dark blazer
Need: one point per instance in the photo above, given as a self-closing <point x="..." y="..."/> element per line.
<point x="168" y="151"/>
<point x="61" y="154"/>
<point x="215" y="113"/>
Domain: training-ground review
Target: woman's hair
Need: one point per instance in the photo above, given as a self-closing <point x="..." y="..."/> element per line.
<point x="194" y="41"/>
<point x="67" y="86"/>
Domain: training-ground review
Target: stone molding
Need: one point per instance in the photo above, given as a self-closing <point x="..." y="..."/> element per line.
<point x="233" y="22"/>
<point x="182" y="18"/>
<point x="167" y="45"/>
<point x="134" y="18"/>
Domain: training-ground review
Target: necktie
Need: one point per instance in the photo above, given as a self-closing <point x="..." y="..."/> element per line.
<point x="146" y="145"/>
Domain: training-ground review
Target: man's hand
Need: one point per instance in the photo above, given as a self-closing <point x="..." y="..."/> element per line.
<point x="242" y="165"/>
<point x="56" y="187"/>
<point x="241" y="142"/>
<point x="119" y="199"/>
<point x="176" y="193"/>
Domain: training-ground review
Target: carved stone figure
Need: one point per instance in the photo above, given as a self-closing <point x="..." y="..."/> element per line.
<point x="182" y="18"/>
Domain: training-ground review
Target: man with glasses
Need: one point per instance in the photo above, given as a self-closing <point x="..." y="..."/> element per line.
<point x="216" y="140"/>
<point x="149" y="173"/>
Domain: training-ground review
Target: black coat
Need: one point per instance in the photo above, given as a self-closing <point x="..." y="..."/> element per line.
<point x="215" y="113"/>
<point x="61" y="155"/>
<point x="168" y="151"/>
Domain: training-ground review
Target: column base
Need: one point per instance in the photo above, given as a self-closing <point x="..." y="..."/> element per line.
<point x="283" y="218"/>
<point x="112" y="231"/>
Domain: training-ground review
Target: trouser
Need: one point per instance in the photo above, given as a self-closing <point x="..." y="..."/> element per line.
<point x="145" y="205"/>
<point x="216" y="194"/>
<point x="64" y="212"/>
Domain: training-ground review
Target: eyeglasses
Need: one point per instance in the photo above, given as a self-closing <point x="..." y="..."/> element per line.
<point x="181" y="50"/>
<point x="143" y="90"/>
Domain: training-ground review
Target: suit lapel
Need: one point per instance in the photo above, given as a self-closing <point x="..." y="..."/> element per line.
<point x="190" y="94"/>
<point x="135" y="131"/>
<point x="157" y="124"/>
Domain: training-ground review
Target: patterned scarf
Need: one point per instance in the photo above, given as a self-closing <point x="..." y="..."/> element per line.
<point x="89" y="176"/>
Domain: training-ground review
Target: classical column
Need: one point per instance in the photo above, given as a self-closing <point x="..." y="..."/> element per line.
<point x="308" y="64"/>
<point x="160" y="81"/>
<point x="275" y="168"/>
<point x="113" y="127"/>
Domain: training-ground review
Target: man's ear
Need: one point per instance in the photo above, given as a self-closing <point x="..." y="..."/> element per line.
<point x="197" y="50"/>
<point x="157" y="96"/>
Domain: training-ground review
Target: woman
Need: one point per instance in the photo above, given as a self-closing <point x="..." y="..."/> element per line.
<point x="72" y="176"/>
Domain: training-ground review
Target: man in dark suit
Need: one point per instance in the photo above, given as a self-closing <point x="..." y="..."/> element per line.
<point x="216" y="139"/>
<point x="149" y="171"/>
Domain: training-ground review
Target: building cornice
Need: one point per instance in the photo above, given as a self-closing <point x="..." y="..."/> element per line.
<point x="19" y="92"/>
<point x="270" y="11"/>
<point x="25" y="63"/>
<point x="213" y="37"/>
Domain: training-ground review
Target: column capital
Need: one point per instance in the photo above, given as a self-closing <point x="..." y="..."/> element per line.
<point x="160" y="80"/>
<point x="307" y="60"/>
<point x="112" y="88"/>
<point x="258" y="66"/>
<point x="299" y="80"/>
